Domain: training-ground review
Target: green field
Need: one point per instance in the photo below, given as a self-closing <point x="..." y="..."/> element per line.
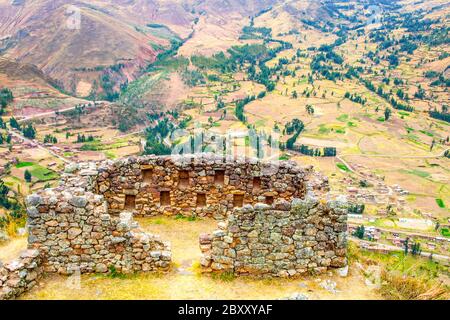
<point x="343" y="167"/>
<point x="445" y="232"/>
<point x="24" y="164"/>
<point x="440" y="203"/>
<point x="41" y="173"/>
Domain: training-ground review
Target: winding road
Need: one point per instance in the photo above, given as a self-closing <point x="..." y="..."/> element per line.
<point x="38" y="145"/>
<point x="19" y="135"/>
<point x="440" y="155"/>
<point x="381" y="246"/>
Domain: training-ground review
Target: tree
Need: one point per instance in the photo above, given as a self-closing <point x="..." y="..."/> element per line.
<point x="153" y="146"/>
<point x="294" y="94"/>
<point x="387" y="114"/>
<point x="360" y="231"/>
<point x="6" y="97"/>
<point x="4" y="190"/>
<point x="29" y="131"/>
<point x="437" y="226"/>
<point x="27" y="176"/>
<point x="220" y="104"/>
<point x="81" y="138"/>
<point x="415" y="249"/>
<point x="14" y="124"/>
<point x="329" y="152"/>
<point x="363" y="184"/>
<point x="356" y="208"/>
<point x="50" y="139"/>
<point x="420" y="94"/>
<point x="406" y="246"/>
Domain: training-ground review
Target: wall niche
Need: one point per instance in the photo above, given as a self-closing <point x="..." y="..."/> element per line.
<point x="164" y="198"/>
<point x="147" y="175"/>
<point x="257" y="183"/>
<point x="130" y="202"/>
<point x="201" y="200"/>
<point x="269" y="200"/>
<point x="183" y="178"/>
<point x="219" y="177"/>
<point x="238" y="200"/>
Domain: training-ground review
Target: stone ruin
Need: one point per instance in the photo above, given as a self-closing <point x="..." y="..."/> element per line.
<point x="74" y="231"/>
<point x="270" y="222"/>
<point x="283" y="240"/>
<point x="204" y="186"/>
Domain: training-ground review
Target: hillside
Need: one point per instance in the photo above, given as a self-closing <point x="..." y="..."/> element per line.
<point x="92" y="48"/>
<point x="106" y="47"/>
<point x="34" y="92"/>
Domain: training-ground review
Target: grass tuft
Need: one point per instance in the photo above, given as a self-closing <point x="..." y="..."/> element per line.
<point x="396" y="286"/>
<point x="440" y="203"/>
<point x="227" y="276"/>
<point x="343" y="167"/>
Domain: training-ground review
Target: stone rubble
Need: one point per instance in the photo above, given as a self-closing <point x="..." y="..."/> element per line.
<point x="298" y="296"/>
<point x="20" y="275"/>
<point x="329" y="285"/>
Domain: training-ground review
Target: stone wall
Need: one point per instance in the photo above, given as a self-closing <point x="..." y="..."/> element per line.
<point x="284" y="240"/>
<point x="20" y="275"/>
<point x="74" y="231"/>
<point x="86" y="224"/>
<point x="205" y="185"/>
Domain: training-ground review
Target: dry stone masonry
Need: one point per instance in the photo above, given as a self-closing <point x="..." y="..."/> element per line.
<point x="75" y="232"/>
<point x="206" y="186"/>
<point x="20" y="275"/>
<point x="270" y="222"/>
<point x="283" y="240"/>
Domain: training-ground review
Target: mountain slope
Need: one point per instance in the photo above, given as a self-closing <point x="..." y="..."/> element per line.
<point x="116" y="39"/>
<point x="38" y="33"/>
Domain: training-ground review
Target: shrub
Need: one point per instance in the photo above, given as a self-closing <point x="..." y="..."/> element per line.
<point x="397" y="286"/>
<point x="440" y="203"/>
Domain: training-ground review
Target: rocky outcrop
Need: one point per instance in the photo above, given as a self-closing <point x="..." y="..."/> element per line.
<point x="282" y="240"/>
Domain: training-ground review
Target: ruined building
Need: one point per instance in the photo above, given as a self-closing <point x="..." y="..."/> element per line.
<point x="272" y="218"/>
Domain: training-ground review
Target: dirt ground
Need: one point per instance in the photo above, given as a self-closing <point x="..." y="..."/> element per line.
<point x="12" y="249"/>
